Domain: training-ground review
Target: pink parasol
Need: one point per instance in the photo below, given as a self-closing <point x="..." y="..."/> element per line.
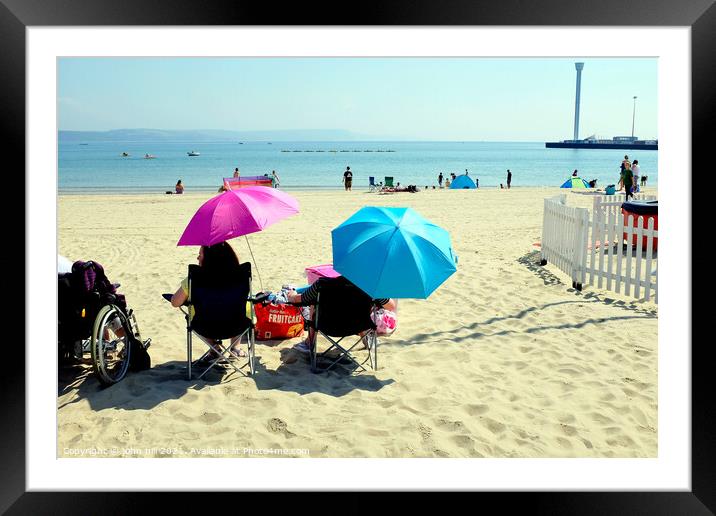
<point x="320" y="271"/>
<point x="237" y="212"/>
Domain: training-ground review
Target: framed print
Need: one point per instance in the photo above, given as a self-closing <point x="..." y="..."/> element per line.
<point x="492" y="374"/>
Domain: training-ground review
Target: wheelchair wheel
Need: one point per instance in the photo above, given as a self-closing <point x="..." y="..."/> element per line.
<point x="111" y="345"/>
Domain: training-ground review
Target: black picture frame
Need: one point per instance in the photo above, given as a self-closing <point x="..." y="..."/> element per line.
<point x="699" y="15"/>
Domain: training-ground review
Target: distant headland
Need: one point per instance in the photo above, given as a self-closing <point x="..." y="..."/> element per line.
<point x="213" y="135"/>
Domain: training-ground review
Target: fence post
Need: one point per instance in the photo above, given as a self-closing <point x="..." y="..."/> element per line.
<point x="637" y="273"/>
<point x="649" y="250"/>
<point x="579" y="247"/>
<point x="630" y="236"/>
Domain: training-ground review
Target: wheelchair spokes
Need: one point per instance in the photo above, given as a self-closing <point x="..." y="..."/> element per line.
<point x="111" y="345"/>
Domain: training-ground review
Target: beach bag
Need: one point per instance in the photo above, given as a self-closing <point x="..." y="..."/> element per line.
<point x="385" y="321"/>
<point x="92" y="285"/>
<point x="278" y="321"/>
<point x="139" y="359"/>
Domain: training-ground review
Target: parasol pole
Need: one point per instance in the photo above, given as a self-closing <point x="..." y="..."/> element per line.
<point x="254" y="260"/>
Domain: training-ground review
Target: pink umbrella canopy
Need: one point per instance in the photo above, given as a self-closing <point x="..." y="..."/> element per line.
<point x="321" y="271"/>
<point x="237" y="212"/>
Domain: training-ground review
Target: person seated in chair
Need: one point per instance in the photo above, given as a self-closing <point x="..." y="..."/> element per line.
<point x="310" y="297"/>
<point x="179" y="188"/>
<point x="217" y="259"/>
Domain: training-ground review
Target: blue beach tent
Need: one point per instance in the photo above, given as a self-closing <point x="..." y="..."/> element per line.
<point x="463" y="182"/>
<point x="575" y="182"/>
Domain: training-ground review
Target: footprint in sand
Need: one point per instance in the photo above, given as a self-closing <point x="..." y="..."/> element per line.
<point x="187" y="436"/>
<point x="476" y="410"/>
<point x="277" y="425"/>
<point x="622" y="440"/>
<point x="493" y="426"/>
<point x="567" y="418"/>
<point x="451" y="425"/>
<point x="568" y="429"/>
<point x="425" y="431"/>
<point x="440" y="453"/>
<point x="564" y="443"/>
<point x="464" y="441"/>
<point x="210" y="418"/>
<point x="601" y="418"/>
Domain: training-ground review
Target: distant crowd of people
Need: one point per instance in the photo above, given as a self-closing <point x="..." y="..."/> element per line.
<point x="630" y="180"/>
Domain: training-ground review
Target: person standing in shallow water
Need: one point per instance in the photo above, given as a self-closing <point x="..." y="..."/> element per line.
<point x="440" y="180"/>
<point x="509" y="178"/>
<point x="348" y="178"/>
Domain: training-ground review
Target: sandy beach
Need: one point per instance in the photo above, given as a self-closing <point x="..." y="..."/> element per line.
<point x="505" y="359"/>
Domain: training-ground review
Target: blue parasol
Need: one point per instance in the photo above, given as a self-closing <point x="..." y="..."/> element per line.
<point x="393" y="252"/>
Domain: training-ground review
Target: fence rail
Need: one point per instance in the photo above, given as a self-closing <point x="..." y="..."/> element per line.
<point x="612" y="251"/>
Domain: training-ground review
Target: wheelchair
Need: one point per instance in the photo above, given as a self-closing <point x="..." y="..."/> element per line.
<point x="97" y="322"/>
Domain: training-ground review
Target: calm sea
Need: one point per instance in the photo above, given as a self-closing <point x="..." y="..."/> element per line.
<point x="100" y="167"/>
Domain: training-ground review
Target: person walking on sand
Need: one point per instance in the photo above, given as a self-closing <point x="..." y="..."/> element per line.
<point x="623" y="166"/>
<point x="440" y="180"/>
<point x="509" y="178"/>
<point x="348" y="178"/>
<point x="635" y="170"/>
<point x="628" y="180"/>
<point x="274" y="179"/>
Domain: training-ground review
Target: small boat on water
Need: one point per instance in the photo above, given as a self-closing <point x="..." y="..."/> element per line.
<point x="193" y="153"/>
<point x="149" y="156"/>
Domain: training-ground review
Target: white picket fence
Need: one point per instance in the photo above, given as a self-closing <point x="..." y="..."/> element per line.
<point x="564" y="236"/>
<point x="608" y="251"/>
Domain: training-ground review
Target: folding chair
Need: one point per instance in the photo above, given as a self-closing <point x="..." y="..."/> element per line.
<point x="220" y="314"/>
<point x="342" y="310"/>
<point x="372" y="187"/>
<point x="388" y="185"/>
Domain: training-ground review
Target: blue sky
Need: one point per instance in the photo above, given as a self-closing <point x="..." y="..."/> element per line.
<point x="456" y="99"/>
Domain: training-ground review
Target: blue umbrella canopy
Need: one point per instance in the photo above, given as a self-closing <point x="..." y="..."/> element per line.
<point x="575" y="182"/>
<point x="393" y="252"/>
<point x="462" y="181"/>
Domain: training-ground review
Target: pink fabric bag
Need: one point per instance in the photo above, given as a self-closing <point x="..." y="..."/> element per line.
<point x="385" y="321"/>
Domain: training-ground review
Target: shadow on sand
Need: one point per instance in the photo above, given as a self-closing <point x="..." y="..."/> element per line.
<point x="146" y="389"/>
<point x="531" y="260"/>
